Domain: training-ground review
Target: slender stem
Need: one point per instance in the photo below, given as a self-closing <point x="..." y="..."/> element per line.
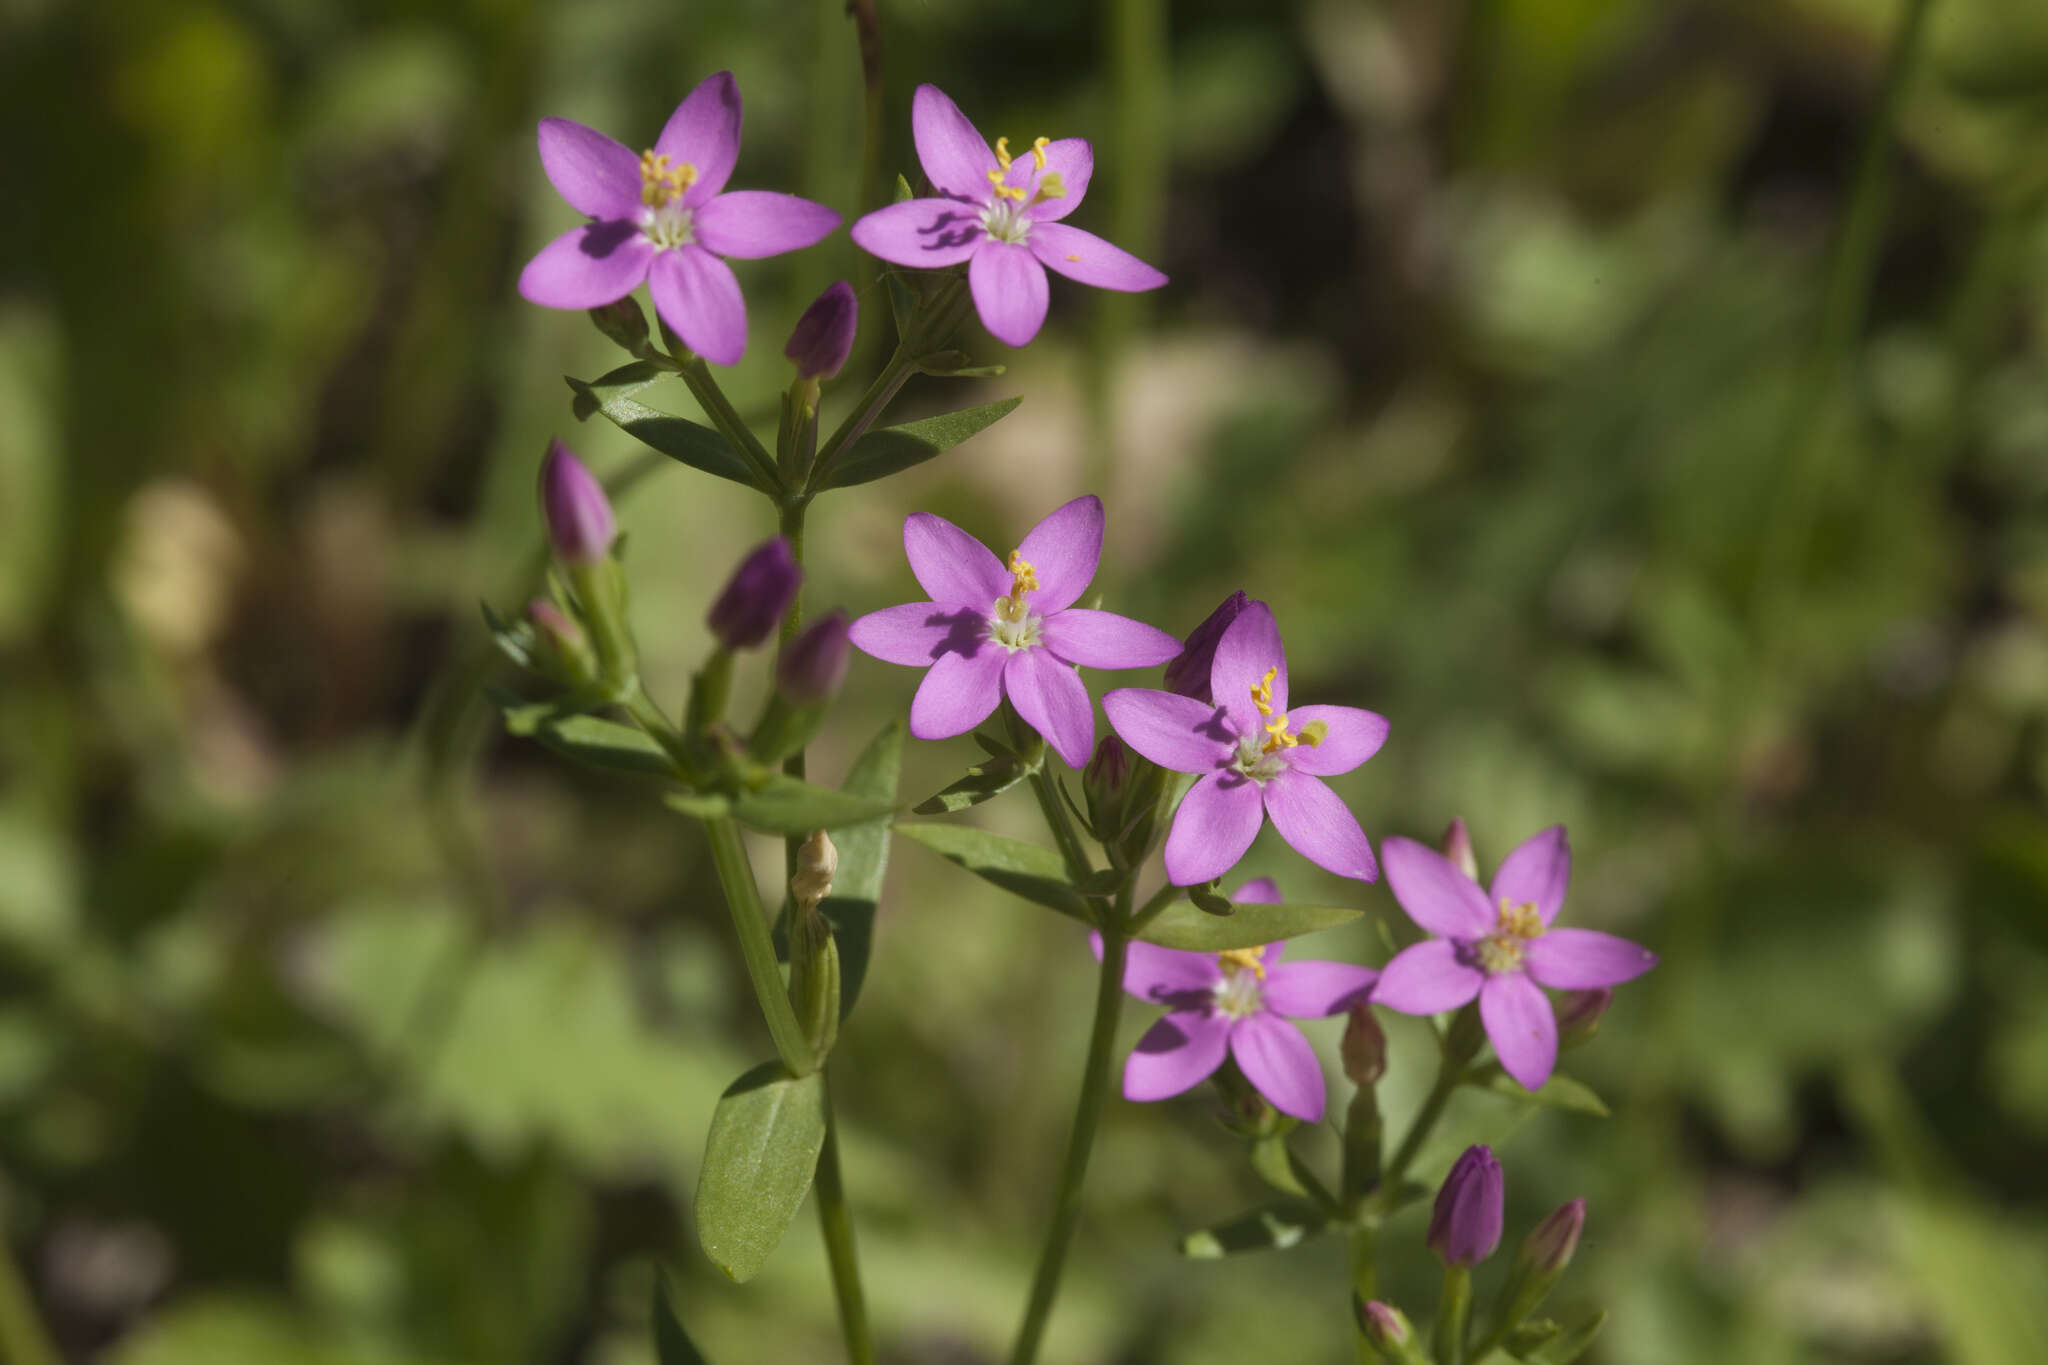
<point x="835" y="1223"/>
<point x="727" y="419"/>
<point x="902" y="364"/>
<point x="1451" y="1312"/>
<point x="1163" y="897"/>
<point x="23" y="1338"/>
<point x="1365" y="1279"/>
<point x="1045" y="1284"/>
<point x="1450" y="1071"/>
<point x="1063" y="831"/>
<point x="743" y="898"/>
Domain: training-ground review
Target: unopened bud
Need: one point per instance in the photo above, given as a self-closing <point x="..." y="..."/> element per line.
<point x="1548" y="1249"/>
<point x="1579" y="1013"/>
<point x="1364" y="1048"/>
<point x="1384" y="1325"/>
<point x="623" y="323"/>
<point x="578" y="515"/>
<point x="824" y="334"/>
<point x="561" y="651"/>
<point x="1464" y="1227"/>
<point x="1188" y="672"/>
<point x="1458" y="848"/>
<point x="814" y="664"/>
<point x="1103" y="783"/>
<point x="817" y="861"/>
<point x="756" y="596"/>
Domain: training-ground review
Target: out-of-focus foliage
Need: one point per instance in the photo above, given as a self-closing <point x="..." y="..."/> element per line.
<point x="338" y="1029"/>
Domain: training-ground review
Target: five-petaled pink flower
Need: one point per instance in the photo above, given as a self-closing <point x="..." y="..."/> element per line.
<point x="1499" y="945"/>
<point x="1001" y="215"/>
<point x="994" y="629"/>
<point x="660" y="216"/>
<point x="1256" y="756"/>
<point x="1239" y="1002"/>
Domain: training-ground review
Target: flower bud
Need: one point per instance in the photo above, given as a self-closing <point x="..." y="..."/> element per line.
<point x="572" y="502"/>
<point x="1458" y="848"/>
<point x="1384" y="1325"/>
<point x="1364" y="1049"/>
<point x="756" y="596"/>
<point x="824" y="334"/>
<point x="1548" y="1249"/>
<point x="817" y="862"/>
<point x="561" y="651"/>
<point x="1465" y="1226"/>
<point x="1104" y="780"/>
<point x="1578" y="1015"/>
<point x="814" y="664"/>
<point x="623" y="323"/>
<point x="1188" y="672"/>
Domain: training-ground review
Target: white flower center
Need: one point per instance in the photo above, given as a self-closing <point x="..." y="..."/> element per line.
<point x="1011" y="622"/>
<point x="1261" y="755"/>
<point x="1004" y="219"/>
<point x="1244" y="971"/>
<point x="1005" y="222"/>
<point x="667" y="224"/>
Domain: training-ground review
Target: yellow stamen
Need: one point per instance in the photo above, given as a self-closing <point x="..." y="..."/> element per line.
<point x="1038" y="146"/>
<point x="1052" y="186"/>
<point x="661" y="182"/>
<point x="1003" y="151"/>
<point x="1243" y="960"/>
<point x="1522" y="921"/>
<point x="1262" y="692"/>
<point x="1023" y="576"/>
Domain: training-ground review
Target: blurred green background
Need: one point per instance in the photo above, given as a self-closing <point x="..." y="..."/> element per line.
<point x="1511" y="353"/>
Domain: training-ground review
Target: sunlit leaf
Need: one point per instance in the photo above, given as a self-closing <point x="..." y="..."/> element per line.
<point x="891" y="450"/>
<point x="676" y="437"/>
<point x="863" y="860"/>
<point x="758" y="1162"/>
<point x="1248" y="925"/>
<point x="1273" y="1228"/>
<point x="1027" y="870"/>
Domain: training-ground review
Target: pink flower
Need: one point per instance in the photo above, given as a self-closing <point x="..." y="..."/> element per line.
<point x="661" y="217"/>
<point x="1000" y="214"/>
<point x="994" y="629"/>
<point x="1500" y="946"/>
<point x="1236" y="1002"/>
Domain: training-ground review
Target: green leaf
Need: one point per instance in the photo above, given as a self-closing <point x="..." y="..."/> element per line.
<point x="789" y="805"/>
<point x="672" y="1345"/>
<point x="1559" y="1092"/>
<point x="1022" y="869"/>
<point x="604" y="744"/>
<point x="1569" y="1344"/>
<point x="863" y="859"/>
<point x="702" y="805"/>
<point x="984" y="782"/>
<point x="758" y="1162"/>
<point x="676" y="437"/>
<point x="1182" y="925"/>
<point x="891" y="450"/>
<point x="1275" y="1227"/>
<point x="1275" y="1165"/>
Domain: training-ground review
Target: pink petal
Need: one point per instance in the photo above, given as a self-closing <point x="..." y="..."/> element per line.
<point x="1523" y="1030"/>
<point x="1165" y="975"/>
<point x="1085" y="257"/>
<point x="1280" y="1064"/>
<point x="1250" y="645"/>
<point x="1177" y="1053"/>
<point x="698" y="295"/>
<point x="1320" y="826"/>
<point x="1102" y="639"/>
<point x="750" y="224"/>
<point x="1583" y="959"/>
<point x="1536" y="873"/>
<point x="1064" y="548"/>
<point x="1073" y="160"/>
<point x="951" y="565"/>
<point x="928" y="234"/>
<point x="1260" y="891"/>
<point x="598" y="176"/>
<point x="955" y="156"/>
<point x="1350" y="737"/>
<point x="960" y="692"/>
<point x="587" y="267"/>
<point x="1428" y="978"/>
<point x="1434" y="892"/>
<point x="1216" y="823"/>
<point x="705" y="132"/>
<point x="917" y="633"/>
<point x="1009" y="291"/>
<point x="1173" y="731"/>
<point x="1049" y="696"/>
<point x="1312" y="990"/>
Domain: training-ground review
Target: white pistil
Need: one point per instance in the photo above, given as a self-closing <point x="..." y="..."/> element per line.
<point x="667" y="225"/>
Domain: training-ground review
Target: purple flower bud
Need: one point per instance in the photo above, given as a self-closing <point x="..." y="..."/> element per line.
<point x="1579" y="1013"/>
<point x="1383" y="1324"/>
<point x="1188" y="672"/>
<point x="1464" y="1229"/>
<point x="756" y="596"/>
<point x="814" y="665"/>
<point x="824" y="334"/>
<point x="1108" y="771"/>
<point x="1458" y="848"/>
<point x="579" y="516"/>
<point x="1548" y="1249"/>
<point x="1364" y="1049"/>
<point x="549" y="621"/>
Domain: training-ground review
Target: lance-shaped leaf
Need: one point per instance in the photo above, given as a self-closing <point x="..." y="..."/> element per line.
<point x="984" y="782"/>
<point x="672" y="1345"/>
<point x="1566" y="1345"/>
<point x="891" y="450"/>
<point x="1022" y="869"/>
<point x="863" y="860"/>
<point x="600" y="743"/>
<point x="676" y="437"/>
<point x="1275" y="1227"/>
<point x="758" y="1162"/>
<point x="1248" y="925"/>
<point x="1559" y="1092"/>
<point x="789" y="805"/>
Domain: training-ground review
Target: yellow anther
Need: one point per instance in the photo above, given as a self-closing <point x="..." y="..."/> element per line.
<point x="1072" y="257"/>
<point x="1277" y="736"/>
<point x="1038" y="146"/>
<point x="1244" y="960"/>
<point x="1521" y="921"/>
<point x="1262" y="692"/>
<point x="661" y="182"/>
<point x="995" y="175"/>
<point x="1003" y="151"/>
<point x="1052" y="186"/>
<point x="1023" y="576"/>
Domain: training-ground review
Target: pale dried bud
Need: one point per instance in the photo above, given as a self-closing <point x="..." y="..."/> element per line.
<point x="1458" y="848"/>
<point x="1365" y="1047"/>
<point x="816" y="863"/>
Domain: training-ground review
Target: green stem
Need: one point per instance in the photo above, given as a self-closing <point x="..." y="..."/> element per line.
<point x="1163" y="897"/>
<point x="727" y="419"/>
<point x="1451" y="1312"/>
<point x="757" y="946"/>
<point x="1045" y="1284"/>
<point x="902" y="364"/>
<point x="23" y="1338"/>
<point x="835" y="1223"/>
<point x="1450" y="1071"/>
<point x="1063" y="831"/>
<point x="1364" y="1251"/>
